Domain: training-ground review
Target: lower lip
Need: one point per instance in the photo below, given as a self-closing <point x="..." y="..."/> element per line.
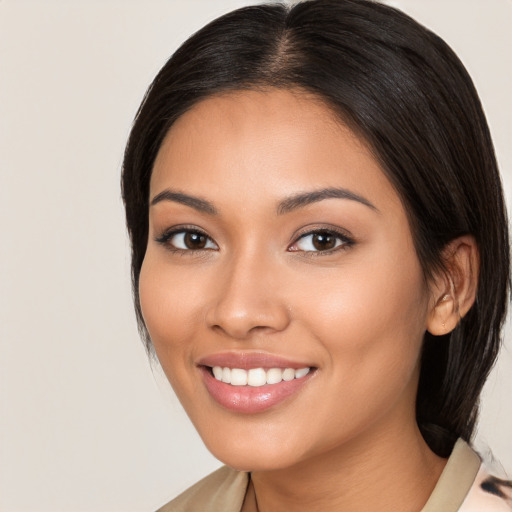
<point x="249" y="399"/>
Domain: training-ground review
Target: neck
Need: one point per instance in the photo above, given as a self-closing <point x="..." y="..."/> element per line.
<point x="385" y="469"/>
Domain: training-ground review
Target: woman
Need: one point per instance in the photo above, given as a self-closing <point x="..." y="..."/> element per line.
<point x="320" y="258"/>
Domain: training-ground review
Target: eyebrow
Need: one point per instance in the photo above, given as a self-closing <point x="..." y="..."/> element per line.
<point x="201" y="205"/>
<point x="303" y="199"/>
<point x="285" y="206"/>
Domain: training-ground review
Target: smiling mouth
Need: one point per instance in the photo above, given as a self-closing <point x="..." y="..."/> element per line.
<point x="257" y="377"/>
<point x="254" y="389"/>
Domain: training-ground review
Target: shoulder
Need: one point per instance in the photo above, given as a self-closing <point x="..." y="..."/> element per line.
<point x="488" y="494"/>
<point x="223" y="490"/>
<point x="466" y="486"/>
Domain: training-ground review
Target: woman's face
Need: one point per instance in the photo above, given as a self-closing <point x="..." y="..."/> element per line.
<point x="276" y="242"/>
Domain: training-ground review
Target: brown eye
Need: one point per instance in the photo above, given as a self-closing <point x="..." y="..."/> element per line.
<point x="323" y="241"/>
<point x="187" y="240"/>
<point x="194" y="240"/>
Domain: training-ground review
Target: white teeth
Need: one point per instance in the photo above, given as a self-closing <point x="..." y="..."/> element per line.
<point x="301" y="373"/>
<point x="289" y="374"/>
<point x="274" y="376"/>
<point x="257" y="377"/>
<point x="226" y="375"/>
<point x="217" y="372"/>
<point x="238" y="377"/>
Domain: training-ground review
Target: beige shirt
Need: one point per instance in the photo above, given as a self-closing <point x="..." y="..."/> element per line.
<point x="459" y="489"/>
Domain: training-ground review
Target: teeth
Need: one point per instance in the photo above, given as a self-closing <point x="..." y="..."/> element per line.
<point x="217" y="372"/>
<point x="289" y="374"/>
<point x="226" y="375"/>
<point x="301" y="373"/>
<point x="238" y="377"/>
<point x="274" y="376"/>
<point x="257" y="376"/>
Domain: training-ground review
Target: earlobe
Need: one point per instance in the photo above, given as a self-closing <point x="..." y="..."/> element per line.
<point x="454" y="291"/>
<point x="443" y="316"/>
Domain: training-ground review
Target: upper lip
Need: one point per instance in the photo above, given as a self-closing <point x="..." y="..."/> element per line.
<point x="248" y="360"/>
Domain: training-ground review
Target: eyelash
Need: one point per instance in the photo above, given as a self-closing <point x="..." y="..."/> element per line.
<point x="346" y="241"/>
<point x="165" y="239"/>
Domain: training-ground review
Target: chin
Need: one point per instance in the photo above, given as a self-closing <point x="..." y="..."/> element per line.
<point x="254" y="452"/>
<point x="252" y="459"/>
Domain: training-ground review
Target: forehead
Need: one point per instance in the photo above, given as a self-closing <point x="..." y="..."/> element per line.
<point x="270" y="141"/>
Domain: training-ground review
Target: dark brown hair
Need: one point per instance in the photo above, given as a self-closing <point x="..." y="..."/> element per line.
<point x="408" y="95"/>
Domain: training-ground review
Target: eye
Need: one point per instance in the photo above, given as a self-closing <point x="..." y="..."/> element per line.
<point x="321" y="241"/>
<point x="187" y="240"/>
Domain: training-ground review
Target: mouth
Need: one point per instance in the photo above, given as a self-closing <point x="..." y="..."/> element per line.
<point x="257" y="377"/>
<point x="257" y="386"/>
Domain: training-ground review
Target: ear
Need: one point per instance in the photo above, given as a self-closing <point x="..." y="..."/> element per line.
<point x="454" y="291"/>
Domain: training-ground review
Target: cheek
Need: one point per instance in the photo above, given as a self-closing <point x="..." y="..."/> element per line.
<point x="373" y="336"/>
<point x="371" y="319"/>
<point x="170" y="306"/>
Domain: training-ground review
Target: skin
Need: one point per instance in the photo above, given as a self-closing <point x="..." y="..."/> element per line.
<point x="358" y="314"/>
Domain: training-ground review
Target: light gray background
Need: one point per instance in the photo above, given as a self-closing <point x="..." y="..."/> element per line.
<point x="83" y="425"/>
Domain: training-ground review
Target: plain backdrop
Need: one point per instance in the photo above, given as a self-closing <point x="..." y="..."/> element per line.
<point x="84" y="425"/>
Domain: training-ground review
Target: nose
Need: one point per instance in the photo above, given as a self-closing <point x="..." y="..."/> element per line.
<point x="247" y="300"/>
